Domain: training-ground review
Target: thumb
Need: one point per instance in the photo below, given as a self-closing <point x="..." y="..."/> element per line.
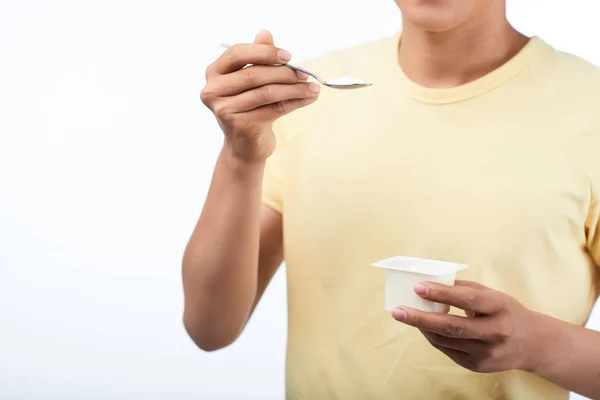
<point x="264" y="37"/>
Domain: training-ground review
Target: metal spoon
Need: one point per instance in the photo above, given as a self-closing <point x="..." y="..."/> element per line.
<point x="331" y="84"/>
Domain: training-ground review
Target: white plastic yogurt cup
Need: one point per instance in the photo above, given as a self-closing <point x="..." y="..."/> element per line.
<point x="403" y="273"/>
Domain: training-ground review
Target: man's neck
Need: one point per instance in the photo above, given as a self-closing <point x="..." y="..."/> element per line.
<point x="460" y="55"/>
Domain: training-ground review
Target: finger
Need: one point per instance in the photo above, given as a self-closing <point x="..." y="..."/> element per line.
<point x="249" y="78"/>
<point x="240" y="55"/>
<point x="452" y="353"/>
<point x="459" y="357"/>
<point x="474" y="285"/>
<point x="264" y="37"/>
<point x="471" y="284"/>
<point x="453" y="326"/>
<point x="466" y="298"/>
<point x="273" y="93"/>
<point x="470" y="346"/>
<point x="275" y="110"/>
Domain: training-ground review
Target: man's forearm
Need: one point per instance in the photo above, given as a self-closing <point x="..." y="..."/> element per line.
<point x="571" y="357"/>
<point x="220" y="262"/>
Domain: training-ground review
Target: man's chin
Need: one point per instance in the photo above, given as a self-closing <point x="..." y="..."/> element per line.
<point x="436" y="16"/>
<point x="433" y="25"/>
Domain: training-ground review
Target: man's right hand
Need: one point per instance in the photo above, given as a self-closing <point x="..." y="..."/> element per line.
<point x="247" y="100"/>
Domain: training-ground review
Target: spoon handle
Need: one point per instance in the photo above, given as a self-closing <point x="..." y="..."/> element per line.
<point x="290" y="66"/>
<point x="295" y="68"/>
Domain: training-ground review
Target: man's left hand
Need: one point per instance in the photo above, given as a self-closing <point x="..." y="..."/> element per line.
<point x="497" y="333"/>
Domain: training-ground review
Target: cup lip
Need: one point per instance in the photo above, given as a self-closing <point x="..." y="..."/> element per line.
<point x="428" y="266"/>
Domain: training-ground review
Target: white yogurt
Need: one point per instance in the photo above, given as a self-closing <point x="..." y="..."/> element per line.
<point x="347" y="80"/>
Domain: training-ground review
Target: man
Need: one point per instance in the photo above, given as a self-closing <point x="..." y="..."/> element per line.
<point x="474" y="145"/>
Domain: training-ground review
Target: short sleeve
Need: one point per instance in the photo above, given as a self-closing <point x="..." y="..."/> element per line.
<point x="572" y="86"/>
<point x="593" y="231"/>
<point x="590" y="152"/>
<point x="273" y="180"/>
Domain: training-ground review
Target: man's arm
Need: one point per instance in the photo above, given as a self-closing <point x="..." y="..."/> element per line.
<point x="572" y="358"/>
<point x="232" y="255"/>
<point x="236" y="246"/>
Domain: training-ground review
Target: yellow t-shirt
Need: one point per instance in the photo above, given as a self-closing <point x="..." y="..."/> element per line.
<point x="502" y="174"/>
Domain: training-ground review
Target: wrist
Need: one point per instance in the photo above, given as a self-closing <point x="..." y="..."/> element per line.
<point x="551" y="341"/>
<point x="239" y="167"/>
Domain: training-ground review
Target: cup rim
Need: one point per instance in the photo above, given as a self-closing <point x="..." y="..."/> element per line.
<point x="421" y="266"/>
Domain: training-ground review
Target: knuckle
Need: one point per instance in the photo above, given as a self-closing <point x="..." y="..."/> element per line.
<point x="265" y="94"/>
<point x="251" y="76"/>
<point x="471" y="297"/>
<point x="207" y="96"/>
<point x="280" y="107"/>
<point x="503" y="301"/>
<point x="453" y="329"/>
<point x="502" y="333"/>
<point x="222" y="111"/>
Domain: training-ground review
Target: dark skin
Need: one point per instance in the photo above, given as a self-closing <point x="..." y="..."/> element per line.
<point x="237" y="244"/>
<point x="446" y="43"/>
<point x="499" y="334"/>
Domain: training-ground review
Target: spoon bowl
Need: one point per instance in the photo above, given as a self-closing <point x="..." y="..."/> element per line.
<point x="341" y="83"/>
<point x="347" y="85"/>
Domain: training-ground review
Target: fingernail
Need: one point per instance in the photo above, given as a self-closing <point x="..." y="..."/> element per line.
<point x="301" y="75"/>
<point x="421" y="290"/>
<point x="314" y="87"/>
<point x="399" y="314"/>
<point x="284" y="55"/>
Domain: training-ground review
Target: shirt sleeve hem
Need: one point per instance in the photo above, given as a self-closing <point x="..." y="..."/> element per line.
<point x="272" y="204"/>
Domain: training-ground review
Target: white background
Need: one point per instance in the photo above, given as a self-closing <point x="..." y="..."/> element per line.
<point x="105" y="159"/>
